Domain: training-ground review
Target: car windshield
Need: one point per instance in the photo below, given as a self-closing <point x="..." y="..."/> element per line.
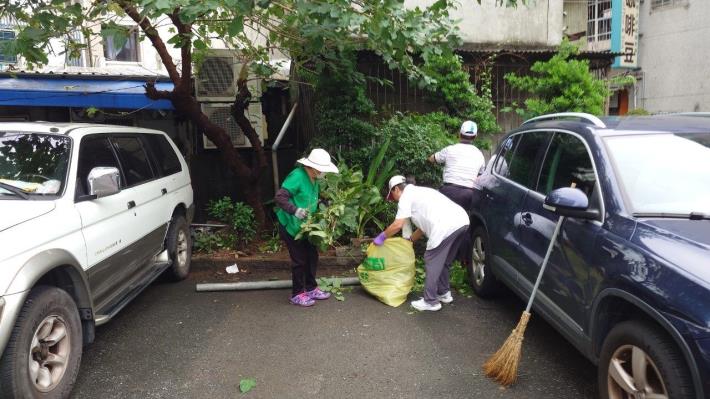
<point x="664" y="174"/>
<point x="32" y="164"/>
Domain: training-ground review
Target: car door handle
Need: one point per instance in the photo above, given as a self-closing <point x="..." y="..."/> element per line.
<point x="131" y="204"/>
<point x="527" y="219"/>
<point x="163" y="191"/>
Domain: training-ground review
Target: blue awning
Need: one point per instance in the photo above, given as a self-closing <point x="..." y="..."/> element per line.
<point x="79" y="93"/>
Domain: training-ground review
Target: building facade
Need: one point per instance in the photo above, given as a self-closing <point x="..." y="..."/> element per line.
<point x="673" y="56"/>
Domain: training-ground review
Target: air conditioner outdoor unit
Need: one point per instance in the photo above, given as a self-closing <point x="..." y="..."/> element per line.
<point x="217" y="76"/>
<point x="221" y="115"/>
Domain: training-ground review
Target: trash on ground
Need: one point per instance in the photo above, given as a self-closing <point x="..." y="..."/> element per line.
<point x="232" y="269"/>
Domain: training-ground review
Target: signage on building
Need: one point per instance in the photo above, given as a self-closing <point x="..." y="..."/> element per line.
<point x="625" y="32"/>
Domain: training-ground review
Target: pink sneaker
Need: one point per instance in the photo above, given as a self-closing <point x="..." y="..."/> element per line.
<point x="317" y="293"/>
<point x="302" y="299"/>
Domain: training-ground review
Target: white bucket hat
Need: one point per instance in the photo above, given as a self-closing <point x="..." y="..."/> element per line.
<point x="319" y="159"/>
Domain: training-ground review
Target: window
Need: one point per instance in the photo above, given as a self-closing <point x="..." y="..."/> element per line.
<point x="74" y="59"/>
<point x="524" y="160"/>
<point x="128" y="51"/>
<point x="134" y="160"/>
<point x="567" y="162"/>
<point x="6" y="36"/>
<point x="598" y="20"/>
<point x="666" y="3"/>
<point x="95" y="151"/>
<point x="502" y="159"/>
<point x="165" y="157"/>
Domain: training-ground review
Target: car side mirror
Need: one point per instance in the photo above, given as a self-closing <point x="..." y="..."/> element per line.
<point x="570" y="202"/>
<point x="103" y="181"/>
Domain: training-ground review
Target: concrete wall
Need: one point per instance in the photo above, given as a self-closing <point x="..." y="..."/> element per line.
<point x="673" y="55"/>
<point x="537" y="23"/>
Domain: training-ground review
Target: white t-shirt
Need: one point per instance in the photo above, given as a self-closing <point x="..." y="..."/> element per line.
<point x="462" y="163"/>
<point x="431" y="211"/>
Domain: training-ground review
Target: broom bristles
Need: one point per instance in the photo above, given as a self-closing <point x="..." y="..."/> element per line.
<point x="503" y="365"/>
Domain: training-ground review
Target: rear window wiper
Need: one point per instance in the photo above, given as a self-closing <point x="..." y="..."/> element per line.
<point x="691" y="215"/>
<point x="14" y="190"/>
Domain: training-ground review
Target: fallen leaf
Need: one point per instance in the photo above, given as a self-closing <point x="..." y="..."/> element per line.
<point x="247" y="385"/>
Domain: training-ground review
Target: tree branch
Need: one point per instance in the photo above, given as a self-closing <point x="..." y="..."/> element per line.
<point x="185" y="31"/>
<point x="154" y="38"/>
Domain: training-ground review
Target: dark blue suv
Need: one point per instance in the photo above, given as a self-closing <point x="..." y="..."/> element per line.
<point x="628" y="282"/>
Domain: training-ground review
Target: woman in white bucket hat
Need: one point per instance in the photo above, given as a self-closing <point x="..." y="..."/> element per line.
<point x="297" y="197"/>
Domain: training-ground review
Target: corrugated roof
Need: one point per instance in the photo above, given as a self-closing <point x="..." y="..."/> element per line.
<point x="485" y="48"/>
<point x="123" y="71"/>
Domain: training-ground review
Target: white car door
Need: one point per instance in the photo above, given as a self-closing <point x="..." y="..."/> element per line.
<point x="108" y="224"/>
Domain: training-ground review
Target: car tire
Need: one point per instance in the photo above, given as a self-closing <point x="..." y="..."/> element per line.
<point x="179" y="248"/>
<point x="41" y="359"/>
<point x="480" y="277"/>
<point x="661" y="366"/>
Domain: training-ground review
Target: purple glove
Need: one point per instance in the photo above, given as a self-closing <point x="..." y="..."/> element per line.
<point x="380" y="239"/>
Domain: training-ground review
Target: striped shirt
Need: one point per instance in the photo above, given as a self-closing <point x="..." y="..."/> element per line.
<point x="462" y="163"/>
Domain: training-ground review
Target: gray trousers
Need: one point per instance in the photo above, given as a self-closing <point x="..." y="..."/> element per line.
<point x="437" y="262"/>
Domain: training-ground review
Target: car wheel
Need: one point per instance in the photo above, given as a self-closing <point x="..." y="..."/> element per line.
<point x="42" y="357"/>
<point x="639" y="361"/>
<point x="480" y="278"/>
<point x="179" y="249"/>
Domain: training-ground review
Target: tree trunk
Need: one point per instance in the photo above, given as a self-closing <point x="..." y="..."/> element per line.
<point x="186" y="104"/>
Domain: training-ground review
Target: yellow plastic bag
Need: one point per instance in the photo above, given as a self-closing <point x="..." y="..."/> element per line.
<point x="388" y="271"/>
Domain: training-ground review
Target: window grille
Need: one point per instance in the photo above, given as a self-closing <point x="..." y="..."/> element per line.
<point x="666" y="3"/>
<point x="598" y="20"/>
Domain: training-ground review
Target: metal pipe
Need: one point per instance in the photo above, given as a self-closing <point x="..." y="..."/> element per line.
<point x="260" y="285"/>
<point x="275" y="146"/>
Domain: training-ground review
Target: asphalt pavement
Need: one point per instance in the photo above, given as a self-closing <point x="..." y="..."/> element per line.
<point x="173" y="342"/>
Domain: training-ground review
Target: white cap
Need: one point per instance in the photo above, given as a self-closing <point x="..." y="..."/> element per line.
<point x="319" y="159"/>
<point x="469" y="129"/>
<point x="395" y="180"/>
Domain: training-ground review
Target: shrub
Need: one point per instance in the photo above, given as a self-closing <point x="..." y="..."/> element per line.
<point x="413" y="139"/>
<point x="561" y="84"/>
<point x="240" y="220"/>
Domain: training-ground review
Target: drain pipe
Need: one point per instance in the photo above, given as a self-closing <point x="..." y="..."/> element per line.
<point x="260" y="285"/>
<point x="275" y="146"/>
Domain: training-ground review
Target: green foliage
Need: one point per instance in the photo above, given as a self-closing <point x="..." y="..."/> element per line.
<point x="239" y="218"/>
<point x="247" y="385"/>
<point x="350" y="205"/>
<point x="413" y="139"/>
<point x="419" y="275"/>
<point x="333" y="285"/>
<point x="458" y="278"/>
<point x="207" y="242"/>
<point x="562" y="84"/>
<point x="271" y="244"/>
<point x="458" y="95"/>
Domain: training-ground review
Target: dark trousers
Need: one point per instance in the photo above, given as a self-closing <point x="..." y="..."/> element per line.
<point x="304" y="262"/>
<point x="437" y="263"/>
<point x="466" y="198"/>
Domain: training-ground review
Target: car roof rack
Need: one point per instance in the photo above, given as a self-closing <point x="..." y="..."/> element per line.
<point x="565" y="115"/>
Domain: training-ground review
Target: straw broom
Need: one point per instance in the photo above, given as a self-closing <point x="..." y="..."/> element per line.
<point x="503" y="365"/>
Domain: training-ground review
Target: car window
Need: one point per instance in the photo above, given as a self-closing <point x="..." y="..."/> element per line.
<point x="501" y="160"/>
<point x="522" y="166"/>
<point x="134" y="160"/>
<point x="567" y="161"/>
<point x="94" y="151"/>
<point x="165" y="157"/>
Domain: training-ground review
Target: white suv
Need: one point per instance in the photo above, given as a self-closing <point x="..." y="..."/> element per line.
<point x="89" y="216"/>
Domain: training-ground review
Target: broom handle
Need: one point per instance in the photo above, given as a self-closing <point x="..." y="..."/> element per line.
<point x="544" y="263"/>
